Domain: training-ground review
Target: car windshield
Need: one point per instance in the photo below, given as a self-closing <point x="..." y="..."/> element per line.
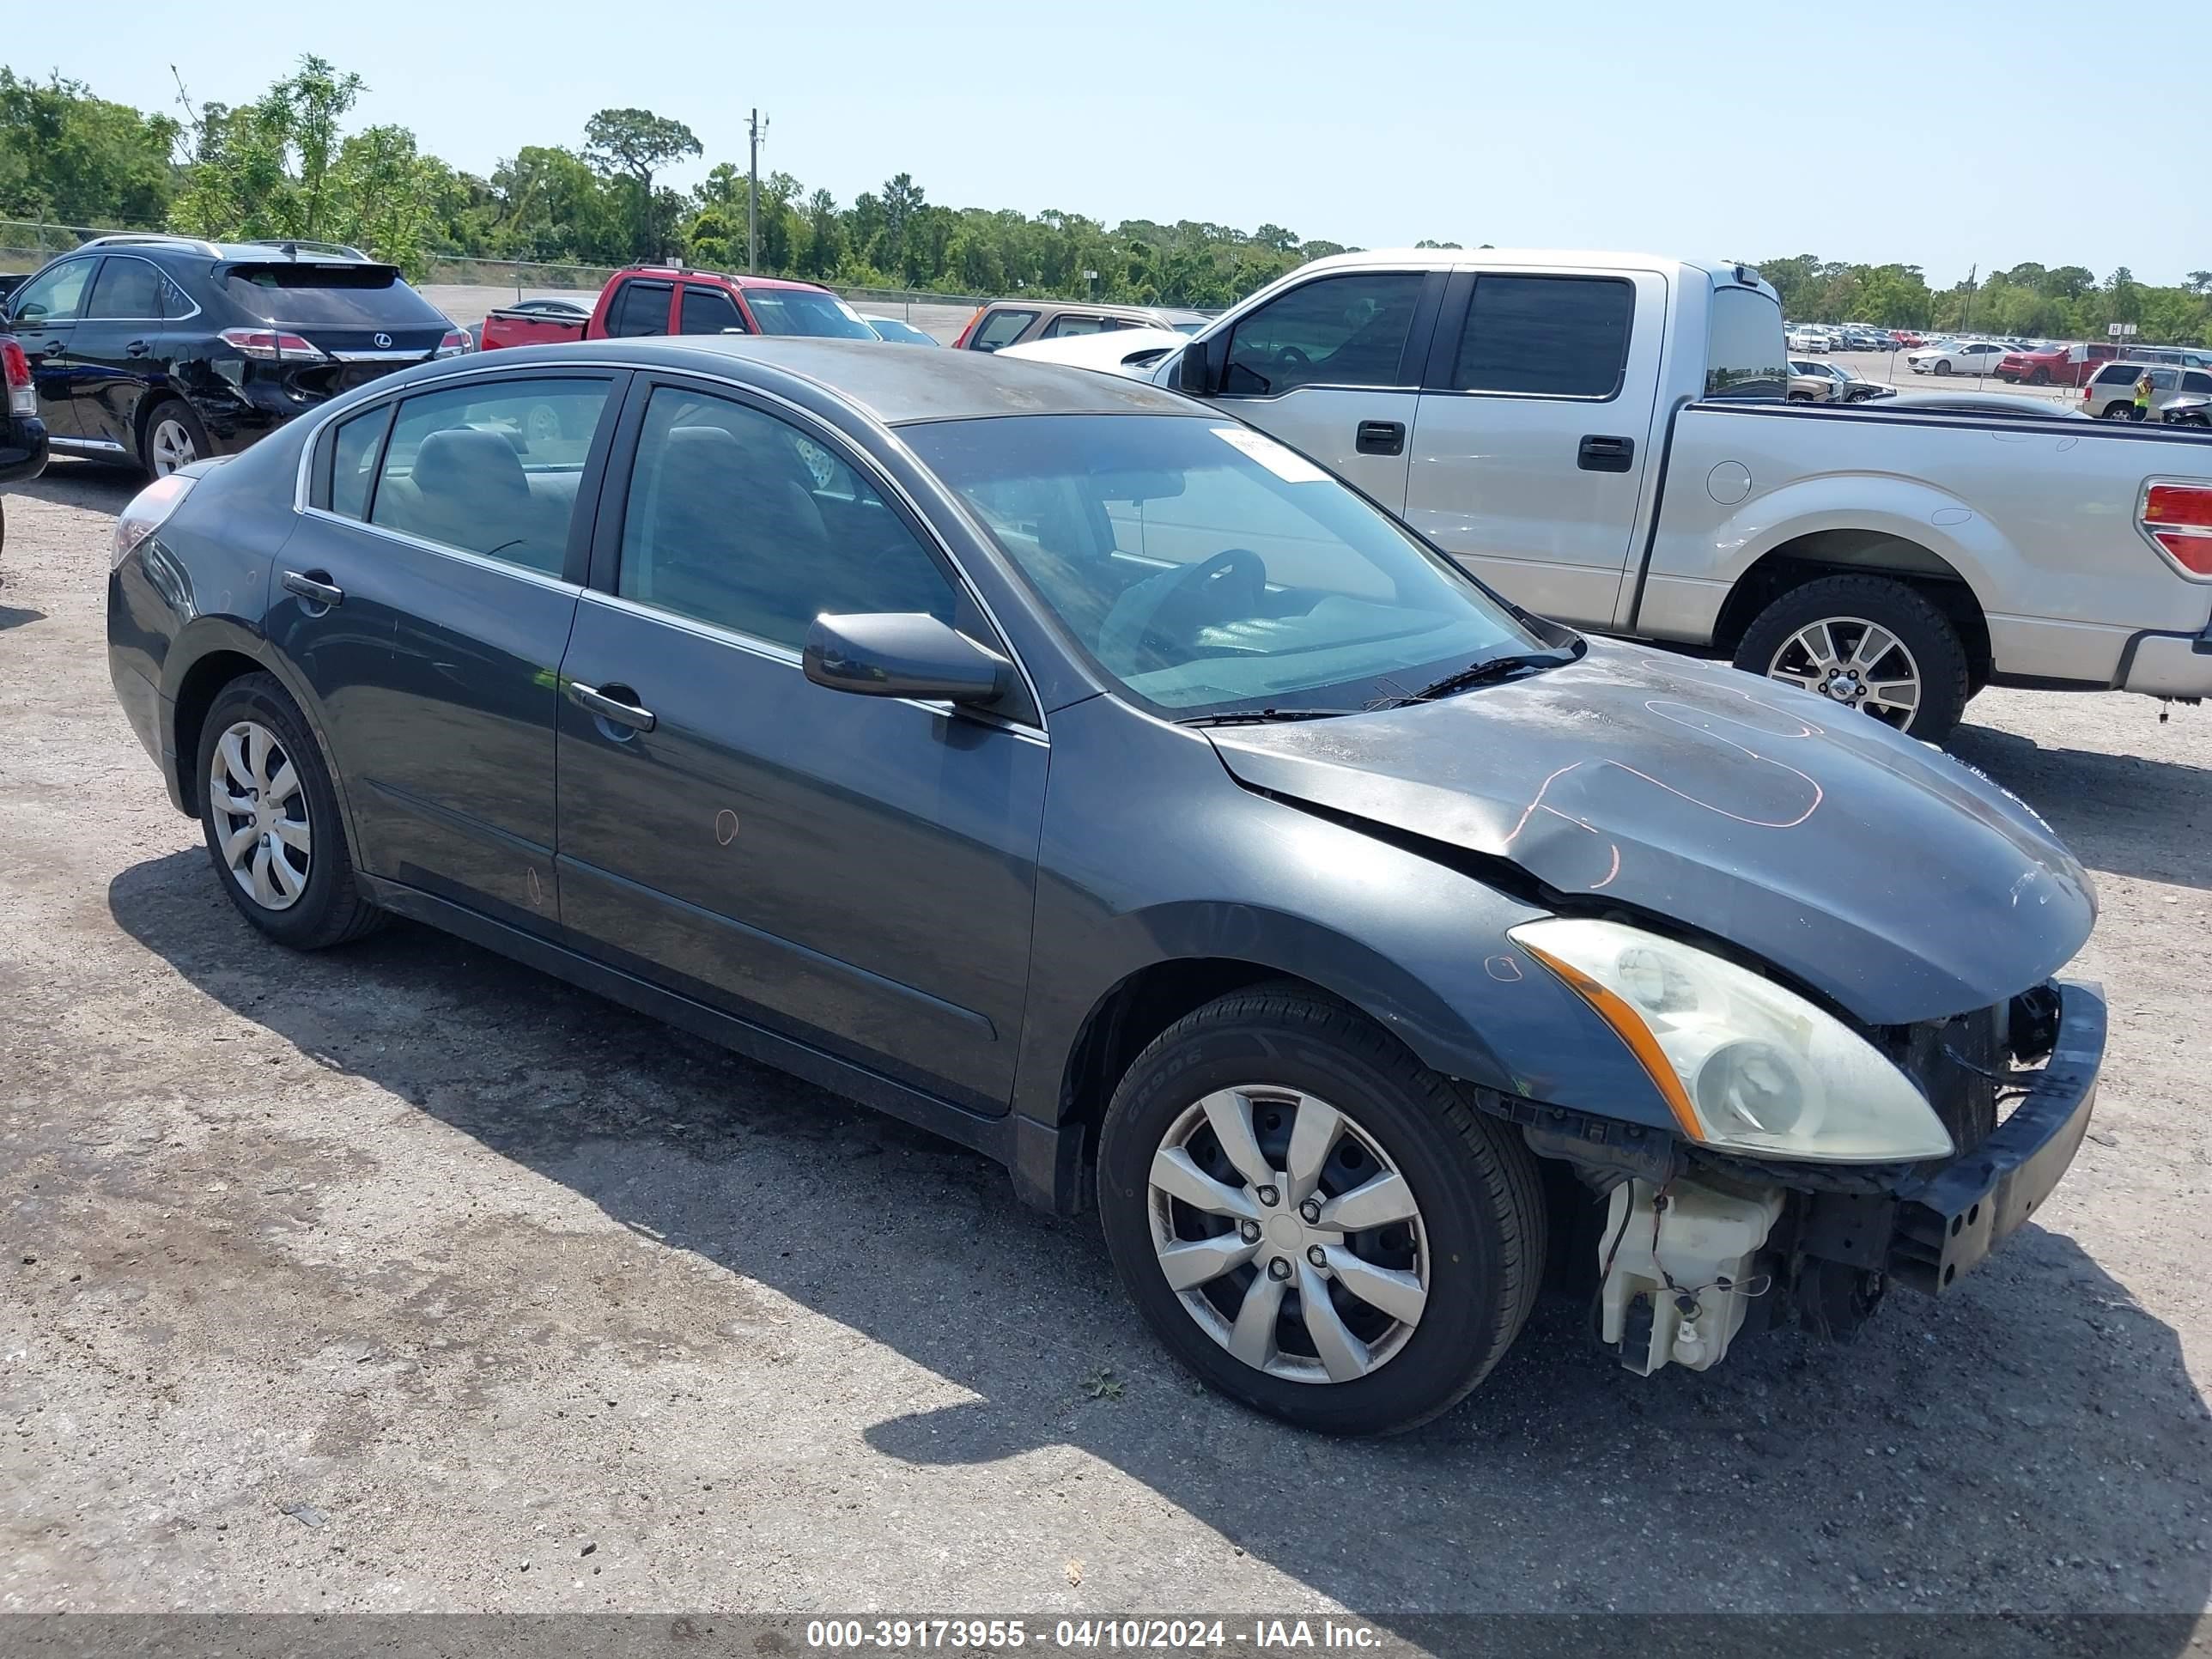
<point x="1206" y="568"/>
<point x="807" y="311"/>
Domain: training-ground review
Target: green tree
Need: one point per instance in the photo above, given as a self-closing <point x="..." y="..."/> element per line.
<point x="67" y="155"/>
<point x="634" y="144"/>
<point x="263" y="170"/>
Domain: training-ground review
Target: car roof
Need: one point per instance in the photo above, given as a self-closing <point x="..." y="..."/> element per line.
<point x="734" y="279"/>
<point x="1100" y="307"/>
<point x="895" y="387"/>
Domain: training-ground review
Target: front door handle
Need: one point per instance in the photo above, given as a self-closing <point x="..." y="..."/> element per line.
<point x="1380" y="438"/>
<point x="1606" y="454"/>
<point x="615" y="703"/>
<point x="314" y="586"/>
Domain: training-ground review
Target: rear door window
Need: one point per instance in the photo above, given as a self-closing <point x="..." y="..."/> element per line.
<point x="127" y="290"/>
<point x="1347" y="330"/>
<point x="707" y="311"/>
<point x="1061" y="327"/>
<point x="1002" y="328"/>
<point x="1552" y="337"/>
<point x="639" y="309"/>
<point x="491" y="468"/>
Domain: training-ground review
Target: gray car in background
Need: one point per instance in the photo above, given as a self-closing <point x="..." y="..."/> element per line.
<point x="1065" y="767"/>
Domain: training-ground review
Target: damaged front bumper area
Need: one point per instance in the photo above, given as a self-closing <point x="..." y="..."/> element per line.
<point x="1721" y="1248"/>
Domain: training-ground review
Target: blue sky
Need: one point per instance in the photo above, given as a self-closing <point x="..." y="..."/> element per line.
<point x="1945" y="133"/>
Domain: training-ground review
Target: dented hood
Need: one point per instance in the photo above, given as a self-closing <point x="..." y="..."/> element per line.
<point x="1900" y="883"/>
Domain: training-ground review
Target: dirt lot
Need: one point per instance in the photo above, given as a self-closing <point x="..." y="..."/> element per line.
<point x="399" y="1278"/>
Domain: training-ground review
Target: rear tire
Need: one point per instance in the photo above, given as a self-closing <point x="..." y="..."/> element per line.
<point x="1937" y="654"/>
<point x="1475" y="1239"/>
<point x="271" y="820"/>
<point x="172" y="435"/>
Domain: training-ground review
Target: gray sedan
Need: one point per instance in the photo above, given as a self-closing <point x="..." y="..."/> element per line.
<point x="1057" y="764"/>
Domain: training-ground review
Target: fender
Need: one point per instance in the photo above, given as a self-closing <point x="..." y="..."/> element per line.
<point x="1901" y="509"/>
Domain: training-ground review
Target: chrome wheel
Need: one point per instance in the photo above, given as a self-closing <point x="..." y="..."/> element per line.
<point x="1288" y="1234"/>
<point x="171" y="446"/>
<point x="1855" y="662"/>
<point x="260" y="813"/>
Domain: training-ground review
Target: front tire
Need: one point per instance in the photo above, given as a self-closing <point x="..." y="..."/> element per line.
<point x="1313" y="1222"/>
<point x="1943" y="365"/>
<point x="270" y="817"/>
<point x="2039" y="377"/>
<point x="1870" y="644"/>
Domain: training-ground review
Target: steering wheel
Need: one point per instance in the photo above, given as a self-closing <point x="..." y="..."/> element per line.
<point x="1161" y="611"/>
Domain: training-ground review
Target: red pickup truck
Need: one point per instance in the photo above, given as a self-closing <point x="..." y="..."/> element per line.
<point x="643" y="299"/>
<point x="2054" y="364"/>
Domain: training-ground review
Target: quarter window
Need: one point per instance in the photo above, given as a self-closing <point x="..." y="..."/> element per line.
<point x="55" y="297"/>
<point x="640" y="309"/>
<point x="739" y="519"/>
<point x="709" y="311"/>
<point x="2196" y="380"/>
<point x="491" y="469"/>
<point x="354" y="450"/>
<point x="1554" y="336"/>
<point x="1000" y="328"/>
<point x="1060" y="328"/>
<point x="128" y="290"/>
<point x="1337" y="331"/>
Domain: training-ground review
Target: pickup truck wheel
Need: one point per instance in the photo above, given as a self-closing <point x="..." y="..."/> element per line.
<point x="1866" y="643"/>
<point x="1313" y="1222"/>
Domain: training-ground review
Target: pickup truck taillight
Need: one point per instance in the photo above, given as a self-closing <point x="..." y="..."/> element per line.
<point x="15" y="370"/>
<point x="2180" y="520"/>
<point x="268" y="344"/>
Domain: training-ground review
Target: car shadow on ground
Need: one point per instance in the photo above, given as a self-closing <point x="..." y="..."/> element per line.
<point x="15" y="615"/>
<point x="2033" y="1442"/>
<point x="73" y="483"/>
<point x="2119" y="814"/>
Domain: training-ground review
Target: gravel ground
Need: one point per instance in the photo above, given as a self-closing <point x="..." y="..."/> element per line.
<point x="400" y="1278"/>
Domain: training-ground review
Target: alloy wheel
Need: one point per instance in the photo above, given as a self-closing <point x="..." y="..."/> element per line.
<point x="1855" y="662"/>
<point x="172" y="445"/>
<point x="260" y="813"/>
<point x="1288" y="1234"/>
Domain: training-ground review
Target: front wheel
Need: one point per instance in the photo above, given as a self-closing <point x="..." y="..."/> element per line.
<point x="2039" y="377"/>
<point x="1313" y="1222"/>
<point x="1943" y="366"/>
<point x="1871" y="644"/>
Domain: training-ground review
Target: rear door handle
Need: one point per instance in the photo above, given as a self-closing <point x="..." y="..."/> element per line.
<point x="314" y="586"/>
<point x="1606" y="454"/>
<point x="137" y="349"/>
<point x="52" y="347"/>
<point x="617" y="704"/>
<point x="1380" y="438"/>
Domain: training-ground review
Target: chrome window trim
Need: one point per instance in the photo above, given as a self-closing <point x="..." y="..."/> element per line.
<point x="482" y="560"/>
<point x="869" y="467"/>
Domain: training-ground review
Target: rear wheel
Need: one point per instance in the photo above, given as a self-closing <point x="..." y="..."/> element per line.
<point x="1871" y="644"/>
<point x="271" y="818"/>
<point x="173" y="437"/>
<point x="1313" y="1222"/>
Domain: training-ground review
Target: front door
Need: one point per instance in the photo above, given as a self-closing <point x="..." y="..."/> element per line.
<point x="44" y="313"/>
<point x="854" y="871"/>
<point x="1333" y="367"/>
<point x="116" y="350"/>
<point x="426" y="601"/>
<point x="1534" y="434"/>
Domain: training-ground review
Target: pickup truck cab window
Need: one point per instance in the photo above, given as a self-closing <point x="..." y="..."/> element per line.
<point x="707" y="311"/>
<point x="1552" y="336"/>
<point x="640" y="309"/>
<point x="1347" y="330"/>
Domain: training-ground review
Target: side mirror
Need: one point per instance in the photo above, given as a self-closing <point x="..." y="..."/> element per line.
<point x="1198" y="370"/>
<point x="903" y="654"/>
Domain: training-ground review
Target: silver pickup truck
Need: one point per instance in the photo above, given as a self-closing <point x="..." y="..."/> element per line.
<point x="1604" y="439"/>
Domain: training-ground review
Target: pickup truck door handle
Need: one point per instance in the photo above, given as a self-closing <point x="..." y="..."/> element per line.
<point x="1380" y="438"/>
<point x="314" y="586"/>
<point x="1597" y="454"/>
<point x="617" y="704"/>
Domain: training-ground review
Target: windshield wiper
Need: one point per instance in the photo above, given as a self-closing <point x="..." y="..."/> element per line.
<point x="1490" y="670"/>
<point x="1267" y="716"/>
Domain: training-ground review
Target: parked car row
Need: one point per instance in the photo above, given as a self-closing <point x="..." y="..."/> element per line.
<point x="1812" y="382"/>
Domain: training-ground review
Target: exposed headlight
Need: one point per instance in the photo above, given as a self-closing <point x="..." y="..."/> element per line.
<point x="1745" y="1065"/>
<point x="149" y="510"/>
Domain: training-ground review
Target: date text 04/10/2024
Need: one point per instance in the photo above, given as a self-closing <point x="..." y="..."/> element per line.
<point x="1112" y="1635"/>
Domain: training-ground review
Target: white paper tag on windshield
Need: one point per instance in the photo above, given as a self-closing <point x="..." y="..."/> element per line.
<point x="1285" y="463"/>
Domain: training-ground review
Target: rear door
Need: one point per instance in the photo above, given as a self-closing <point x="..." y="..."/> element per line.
<point x="638" y="309"/>
<point x="118" y="348"/>
<point x="46" y="312"/>
<point x="1333" y="367"/>
<point x="706" y="309"/>
<point x="1533" y="433"/>
<point x="427" y="599"/>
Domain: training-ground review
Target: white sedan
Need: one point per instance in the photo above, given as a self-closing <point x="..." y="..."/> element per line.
<point x="1809" y="339"/>
<point x="1957" y="357"/>
<point x="1131" y="351"/>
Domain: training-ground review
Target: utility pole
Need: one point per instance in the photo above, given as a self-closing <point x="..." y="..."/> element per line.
<point x="1966" y="316"/>
<point x="758" y="130"/>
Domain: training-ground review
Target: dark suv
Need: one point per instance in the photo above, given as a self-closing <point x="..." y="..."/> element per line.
<point x="159" y="351"/>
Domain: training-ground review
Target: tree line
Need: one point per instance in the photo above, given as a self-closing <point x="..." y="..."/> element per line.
<point x="286" y="164"/>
